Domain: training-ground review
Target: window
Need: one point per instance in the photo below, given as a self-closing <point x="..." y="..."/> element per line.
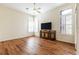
<point x="30" y="24"/>
<point x="36" y="25"/>
<point x="66" y="22"/>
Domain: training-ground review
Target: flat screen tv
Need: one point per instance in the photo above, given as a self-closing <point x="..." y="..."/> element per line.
<point x="46" y="25"/>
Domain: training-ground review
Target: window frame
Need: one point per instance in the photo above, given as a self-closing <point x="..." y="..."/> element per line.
<point x="32" y="20"/>
<point x="64" y="30"/>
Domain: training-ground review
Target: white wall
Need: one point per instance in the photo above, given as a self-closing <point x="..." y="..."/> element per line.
<point x="13" y="24"/>
<point x="54" y="16"/>
<point x="77" y="28"/>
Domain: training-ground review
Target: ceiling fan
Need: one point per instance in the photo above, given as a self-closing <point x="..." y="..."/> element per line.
<point x="36" y="9"/>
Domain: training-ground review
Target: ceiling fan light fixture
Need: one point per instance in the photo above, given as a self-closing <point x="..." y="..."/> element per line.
<point x="35" y="9"/>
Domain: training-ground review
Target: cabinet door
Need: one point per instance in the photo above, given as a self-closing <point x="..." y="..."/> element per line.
<point x="46" y="35"/>
<point x="42" y="34"/>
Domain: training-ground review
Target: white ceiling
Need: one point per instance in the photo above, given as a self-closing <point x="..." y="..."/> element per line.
<point x="22" y="6"/>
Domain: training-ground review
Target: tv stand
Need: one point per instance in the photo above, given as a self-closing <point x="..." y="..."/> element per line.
<point x="48" y="34"/>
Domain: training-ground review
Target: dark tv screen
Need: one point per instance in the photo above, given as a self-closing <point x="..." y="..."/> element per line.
<point x="46" y="25"/>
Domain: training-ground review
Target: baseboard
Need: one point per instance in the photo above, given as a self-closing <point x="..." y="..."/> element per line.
<point x="16" y="38"/>
<point x="66" y="42"/>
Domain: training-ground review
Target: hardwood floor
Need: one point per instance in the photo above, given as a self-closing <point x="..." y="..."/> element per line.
<point x="35" y="46"/>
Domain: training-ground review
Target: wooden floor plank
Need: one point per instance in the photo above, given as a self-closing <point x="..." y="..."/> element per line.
<point x="35" y="46"/>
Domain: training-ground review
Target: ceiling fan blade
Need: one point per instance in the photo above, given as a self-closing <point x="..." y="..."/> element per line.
<point x="38" y="8"/>
<point x="38" y="11"/>
<point x="27" y="8"/>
